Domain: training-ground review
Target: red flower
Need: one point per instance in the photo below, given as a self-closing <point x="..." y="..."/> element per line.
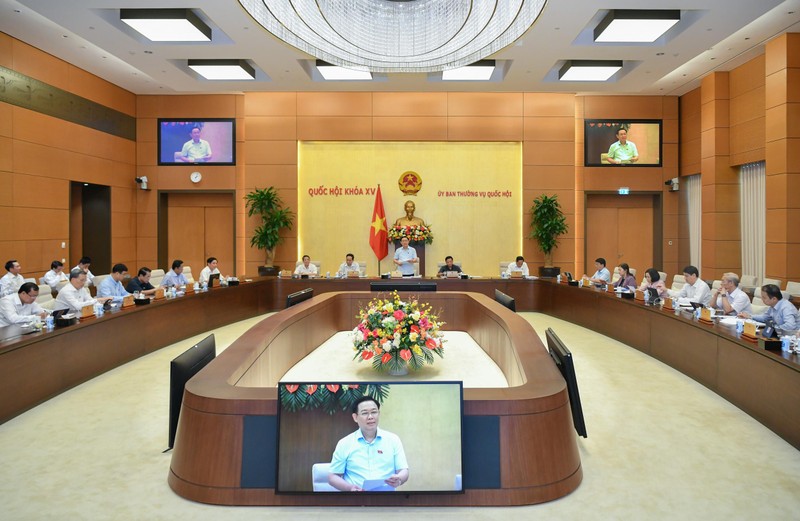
<point x="311" y="389"/>
<point x="332" y="388"/>
<point x="430" y="343"/>
<point x="414" y="329"/>
<point x="399" y="315"/>
<point x="353" y="387"/>
<point x="292" y="388"/>
<point x="385" y="358"/>
<point x="366" y="355"/>
<point x="405" y="354"/>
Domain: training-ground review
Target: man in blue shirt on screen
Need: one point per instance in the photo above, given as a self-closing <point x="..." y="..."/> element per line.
<point x="623" y="151"/>
<point x="370" y="459"/>
<point x="195" y="150"/>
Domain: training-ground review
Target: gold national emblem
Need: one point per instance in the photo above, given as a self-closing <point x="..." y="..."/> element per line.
<point x="409" y="183"/>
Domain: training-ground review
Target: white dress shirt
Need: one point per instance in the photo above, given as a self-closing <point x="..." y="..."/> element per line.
<point x="205" y="274"/>
<point x="344" y="268"/>
<point x="13" y="311"/>
<point x="10" y="284"/>
<point x="73" y="299"/>
<point x="53" y="279"/>
<point x="514" y="268"/>
<point x="698" y="292"/>
<point x="738" y="299"/>
<point x="302" y="270"/>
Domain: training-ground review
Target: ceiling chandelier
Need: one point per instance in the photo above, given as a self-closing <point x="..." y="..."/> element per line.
<point x="396" y="35"/>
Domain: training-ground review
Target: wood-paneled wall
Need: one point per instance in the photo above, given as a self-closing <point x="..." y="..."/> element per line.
<point x="40" y="155"/>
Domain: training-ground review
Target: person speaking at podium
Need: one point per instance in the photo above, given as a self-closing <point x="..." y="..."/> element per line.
<point x="405" y="257"/>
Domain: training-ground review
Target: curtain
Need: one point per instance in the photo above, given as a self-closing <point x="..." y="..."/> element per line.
<point x="753" y="203"/>
<point x="694" y="196"/>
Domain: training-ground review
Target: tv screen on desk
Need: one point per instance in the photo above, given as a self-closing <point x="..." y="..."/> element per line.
<point x="317" y="436"/>
<point x="196" y="141"/>
<point x="600" y="134"/>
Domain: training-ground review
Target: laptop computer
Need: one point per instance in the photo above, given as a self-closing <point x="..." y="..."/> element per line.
<point x="212" y="279"/>
<point x="653" y="294"/>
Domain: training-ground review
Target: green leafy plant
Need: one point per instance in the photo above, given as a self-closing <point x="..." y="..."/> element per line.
<point x="329" y="397"/>
<point x="267" y="204"/>
<point x="547" y="224"/>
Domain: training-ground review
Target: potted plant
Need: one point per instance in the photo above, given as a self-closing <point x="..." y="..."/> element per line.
<point x="267" y="204"/>
<point x="547" y="223"/>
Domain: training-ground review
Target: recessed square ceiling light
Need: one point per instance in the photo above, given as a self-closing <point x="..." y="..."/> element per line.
<point x="635" y="25"/>
<point x="223" y="69"/>
<point x="589" y="70"/>
<point x="479" y="71"/>
<point x="335" y="73"/>
<point x="167" y="25"/>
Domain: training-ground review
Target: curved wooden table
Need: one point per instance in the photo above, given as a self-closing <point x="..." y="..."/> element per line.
<point x="520" y="444"/>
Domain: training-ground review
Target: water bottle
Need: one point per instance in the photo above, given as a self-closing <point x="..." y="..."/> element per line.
<point x="173" y="292"/>
<point x="739" y="327"/>
<point x="558" y="278"/>
<point x="786" y="343"/>
<point x="49" y="322"/>
<point x="697" y="313"/>
<point x="646" y="298"/>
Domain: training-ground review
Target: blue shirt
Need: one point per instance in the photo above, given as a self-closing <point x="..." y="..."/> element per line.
<point x="603" y="274"/>
<point x="357" y="460"/>
<point x="783" y="314"/>
<point x="173" y="279"/>
<point x="405" y="255"/>
<point x="111" y="288"/>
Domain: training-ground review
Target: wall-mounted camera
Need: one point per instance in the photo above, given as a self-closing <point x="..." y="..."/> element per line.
<point x="142" y="182"/>
<point x="674" y="184"/>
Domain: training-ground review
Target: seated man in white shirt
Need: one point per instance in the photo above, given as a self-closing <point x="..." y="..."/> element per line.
<point x="348" y="265"/>
<point x="83" y="265"/>
<point x="306" y="268"/>
<point x="175" y="276"/>
<point x="112" y="285"/>
<point x="729" y="299"/>
<point x="55" y="278"/>
<point x="518" y="266"/>
<point x="601" y="274"/>
<point x="21" y="308"/>
<point x="210" y="269"/>
<point x="11" y="281"/>
<point x="695" y="289"/>
<point x="74" y="296"/>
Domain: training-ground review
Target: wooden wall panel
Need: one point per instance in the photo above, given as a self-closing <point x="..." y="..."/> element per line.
<point x="270" y="104"/>
<point x="409" y="128"/>
<point x="488" y="128"/>
<point x="342" y="104"/>
<point x="408" y="104"/>
<point x="486" y="104"/>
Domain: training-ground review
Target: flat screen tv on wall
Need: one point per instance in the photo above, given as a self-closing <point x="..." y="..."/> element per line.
<point x="419" y="428"/>
<point x="600" y="134"/>
<point x="210" y="141"/>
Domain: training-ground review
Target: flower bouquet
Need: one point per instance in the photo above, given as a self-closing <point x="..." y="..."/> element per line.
<point x="415" y="233"/>
<point x="396" y="335"/>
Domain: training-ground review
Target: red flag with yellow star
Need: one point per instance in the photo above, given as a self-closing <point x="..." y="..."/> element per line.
<point x="378" y="233"/>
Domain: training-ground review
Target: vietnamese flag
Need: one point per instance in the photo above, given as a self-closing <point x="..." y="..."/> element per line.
<point x="378" y="233"/>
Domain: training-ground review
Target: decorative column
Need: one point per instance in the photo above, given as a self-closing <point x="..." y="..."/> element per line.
<point x="783" y="157"/>
<point x="721" y="226"/>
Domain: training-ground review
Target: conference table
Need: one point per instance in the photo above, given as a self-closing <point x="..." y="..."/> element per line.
<point x="765" y="384"/>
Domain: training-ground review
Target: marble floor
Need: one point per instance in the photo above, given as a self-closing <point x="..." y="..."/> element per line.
<point x="660" y="446"/>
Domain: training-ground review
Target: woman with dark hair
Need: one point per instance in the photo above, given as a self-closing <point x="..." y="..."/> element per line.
<point x="626" y="280"/>
<point x="653" y="280"/>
